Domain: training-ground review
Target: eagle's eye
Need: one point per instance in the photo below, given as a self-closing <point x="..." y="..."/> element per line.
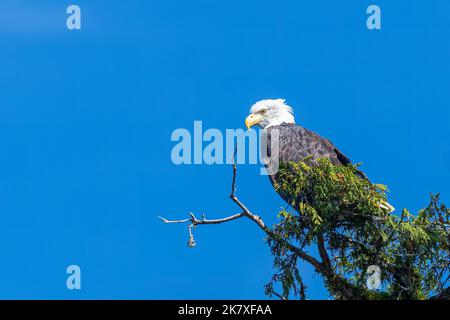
<point x="262" y="112"/>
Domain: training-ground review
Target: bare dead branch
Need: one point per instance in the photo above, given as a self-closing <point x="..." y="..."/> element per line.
<point x="245" y="211"/>
<point x="173" y="221"/>
<point x="234" y="198"/>
<point x="203" y="220"/>
<point x="319" y="267"/>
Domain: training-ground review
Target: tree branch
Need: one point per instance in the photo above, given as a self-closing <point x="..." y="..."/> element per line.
<point x="245" y="211"/>
<point x="323" y="252"/>
<point x="319" y="267"/>
<point x="444" y="295"/>
<point x="196" y="221"/>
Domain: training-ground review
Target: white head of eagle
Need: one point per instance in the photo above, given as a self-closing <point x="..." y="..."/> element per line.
<point x="268" y="113"/>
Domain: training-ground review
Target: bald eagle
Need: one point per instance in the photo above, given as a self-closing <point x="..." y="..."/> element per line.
<point x="295" y="143"/>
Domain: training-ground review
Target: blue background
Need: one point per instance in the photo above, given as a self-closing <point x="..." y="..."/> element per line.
<point x="86" y="118"/>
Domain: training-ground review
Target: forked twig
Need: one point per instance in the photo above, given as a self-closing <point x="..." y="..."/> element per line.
<point x="194" y="221"/>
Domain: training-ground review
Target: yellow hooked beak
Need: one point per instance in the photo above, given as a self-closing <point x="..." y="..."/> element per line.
<point x="252" y="119"/>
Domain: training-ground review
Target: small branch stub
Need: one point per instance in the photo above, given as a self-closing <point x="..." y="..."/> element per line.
<point x="191" y="242"/>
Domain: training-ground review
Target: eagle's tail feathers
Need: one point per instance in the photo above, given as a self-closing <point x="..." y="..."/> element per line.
<point x="386" y="206"/>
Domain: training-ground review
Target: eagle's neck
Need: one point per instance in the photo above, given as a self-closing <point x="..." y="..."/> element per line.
<point x="281" y="115"/>
<point x="287" y="120"/>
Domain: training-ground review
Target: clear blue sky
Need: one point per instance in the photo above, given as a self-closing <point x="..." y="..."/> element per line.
<point x="86" y="118"/>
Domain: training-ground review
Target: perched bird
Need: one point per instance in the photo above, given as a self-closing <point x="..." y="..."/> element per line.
<point x="295" y="143"/>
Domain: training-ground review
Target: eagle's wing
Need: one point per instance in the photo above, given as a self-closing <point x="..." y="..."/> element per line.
<point x="344" y="159"/>
<point x="341" y="157"/>
<point x="300" y="144"/>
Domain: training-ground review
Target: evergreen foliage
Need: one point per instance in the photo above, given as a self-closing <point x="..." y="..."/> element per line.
<point x="340" y="218"/>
